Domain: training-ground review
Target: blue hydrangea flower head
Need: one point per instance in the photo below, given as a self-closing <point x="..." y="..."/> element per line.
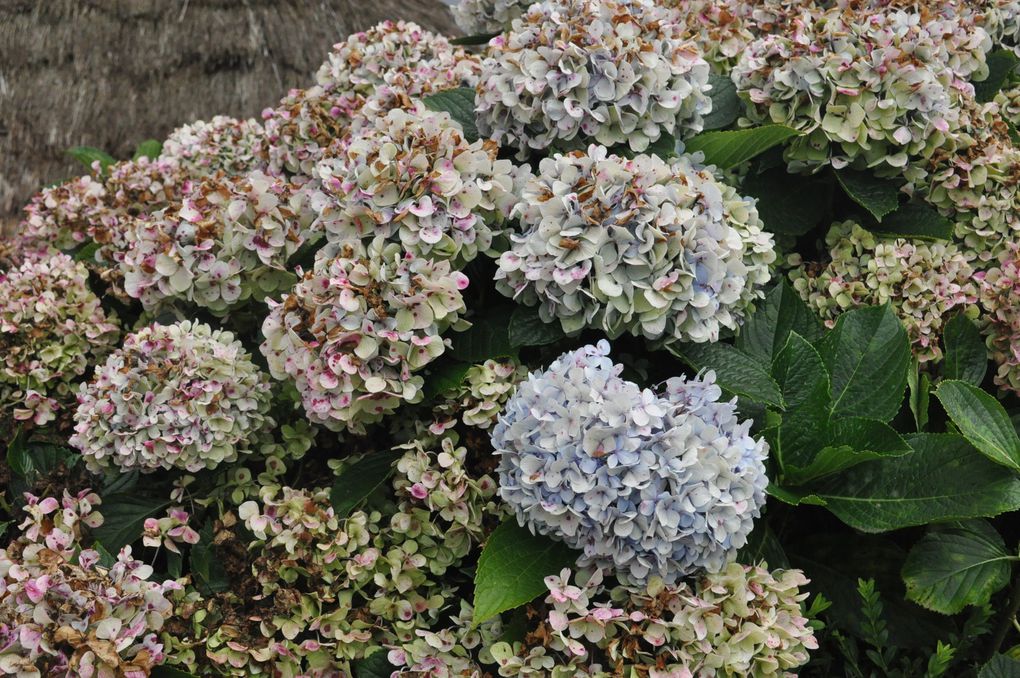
<point x="649" y="483"/>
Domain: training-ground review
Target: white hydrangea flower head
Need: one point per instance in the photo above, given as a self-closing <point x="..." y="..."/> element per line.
<point x="651" y="485"/>
<point x="616" y="71"/>
<point x="657" y="248"/>
<point x="370" y="58"/>
<point x="975" y="182"/>
<point x="180" y="396"/>
<point x="355" y="330"/>
<point x="925" y="282"/>
<point x="227" y="240"/>
<point x="721" y="29"/>
<point x="224" y="144"/>
<point x="481" y="17"/>
<point x="62" y="613"/>
<point x="872" y="89"/>
<point x="303" y="125"/>
<point x="52" y="327"/>
<point x="412" y="178"/>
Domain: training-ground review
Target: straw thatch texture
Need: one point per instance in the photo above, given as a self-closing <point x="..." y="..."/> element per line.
<point x="110" y="73"/>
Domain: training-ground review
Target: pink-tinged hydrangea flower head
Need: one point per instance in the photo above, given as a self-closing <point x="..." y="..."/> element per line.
<point x="223" y="144"/>
<point x="180" y="396"/>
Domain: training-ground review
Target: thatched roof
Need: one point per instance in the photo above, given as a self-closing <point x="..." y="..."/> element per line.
<point x="111" y="73"/>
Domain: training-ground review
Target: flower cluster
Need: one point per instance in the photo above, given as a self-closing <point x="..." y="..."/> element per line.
<point x="227" y="240"/>
<point x="925" y="282"/>
<point x="223" y="144"/>
<point x="618" y="72"/>
<point x="435" y="476"/>
<point x="480" y="396"/>
<point x="375" y="70"/>
<point x="411" y="177"/>
<point x="52" y="328"/>
<point x="173" y="396"/>
<point x="976" y="182"/>
<point x="872" y="89"/>
<point x="999" y="293"/>
<point x="648" y="484"/>
<point x="62" y="612"/>
<point x="65" y="215"/>
<point x="743" y="621"/>
<point x="355" y="329"/>
<point x="169" y="530"/>
<point x="654" y="248"/>
<point x="481" y="17"/>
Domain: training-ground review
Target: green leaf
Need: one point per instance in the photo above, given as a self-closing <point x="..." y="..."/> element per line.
<point x="867" y="354"/>
<point x="361" y="479"/>
<point x="663" y="147"/>
<point x="512" y="569"/>
<point x="956" y="566"/>
<point x="878" y="196"/>
<point x="726" y="105"/>
<point x="488" y="337"/>
<point x="460" y="104"/>
<point x="801" y="375"/>
<point x="375" y="665"/>
<point x="966" y="357"/>
<point x="87" y="252"/>
<point x="784" y="216"/>
<point x="123" y="518"/>
<point x="528" y="329"/>
<point x="729" y="149"/>
<point x="444" y="378"/>
<point x="18" y="458"/>
<point x="477" y="39"/>
<point x="982" y="420"/>
<point x="165" y="671"/>
<point x="735" y="371"/>
<point x="943" y="479"/>
<point x="87" y="155"/>
<point x="920" y="395"/>
<point x="794" y="497"/>
<point x="766" y="331"/>
<point x="1001" y="65"/>
<point x="205" y="565"/>
<point x="150" y="148"/>
<point x="850" y="441"/>
<point x="915" y="220"/>
<point x="106" y="559"/>
<point x="1000" y="666"/>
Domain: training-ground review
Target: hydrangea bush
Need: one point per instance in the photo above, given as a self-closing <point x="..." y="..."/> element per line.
<point x="614" y="338"/>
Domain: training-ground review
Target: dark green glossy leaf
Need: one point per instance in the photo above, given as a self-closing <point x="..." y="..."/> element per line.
<point x="867" y="355"/>
<point x="943" y="479"/>
<point x="123" y="518"/>
<point x="966" y="357"/>
<point x="206" y="566"/>
<point x="878" y="196"/>
<point x="87" y="155"/>
<point x="726" y="105"/>
<point x="1002" y="64"/>
<point x="488" y="337"/>
<point x="780" y="213"/>
<point x="915" y="220"/>
<point x="735" y="371"/>
<point x="982" y="420"/>
<point x="360" y="480"/>
<point x="730" y="148"/>
<point x="460" y="104"/>
<point x="478" y="39"/>
<point x="528" y="329"/>
<point x="1000" y="666"/>
<point x="956" y="566"/>
<point x="767" y="329"/>
<point x="512" y="569"/>
<point x="150" y="148"/>
<point x="444" y="378"/>
<point x="375" y="665"/>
